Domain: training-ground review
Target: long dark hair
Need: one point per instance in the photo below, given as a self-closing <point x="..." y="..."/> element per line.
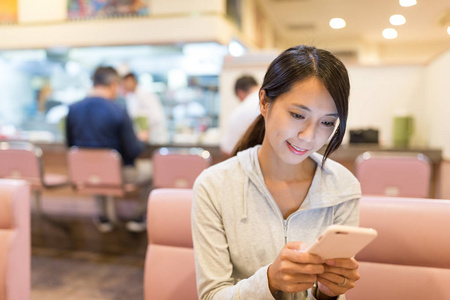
<point x="296" y="64"/>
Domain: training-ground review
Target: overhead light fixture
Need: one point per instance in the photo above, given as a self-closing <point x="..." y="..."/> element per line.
<point x="390" y="33"/>
<point x="397" y="20"/>
<point x="407" y="3"/>
<point x="448" y="30"/>
<point x="337" y="23"/>
<point x="235" y="48"/>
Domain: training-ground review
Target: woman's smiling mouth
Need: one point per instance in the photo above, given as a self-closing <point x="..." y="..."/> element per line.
<point x="296" y="150"/>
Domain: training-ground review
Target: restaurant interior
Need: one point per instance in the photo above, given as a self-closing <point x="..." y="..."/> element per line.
<point x="189" y="55"/>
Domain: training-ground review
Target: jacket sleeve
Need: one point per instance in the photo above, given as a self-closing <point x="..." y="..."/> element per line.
<point x="212" y="258"/>
<point x="130" y="146"/>
<point x="347" y="213"/>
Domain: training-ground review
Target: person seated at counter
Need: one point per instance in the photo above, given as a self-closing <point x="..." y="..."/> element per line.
<point x="99" y="122"/>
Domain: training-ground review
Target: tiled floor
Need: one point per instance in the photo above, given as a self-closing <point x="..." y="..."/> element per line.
<point x="71" y="260"/>
<point x="57" y="275"/>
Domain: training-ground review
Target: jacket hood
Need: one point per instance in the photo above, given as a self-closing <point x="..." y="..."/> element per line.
<point x="332" y="184"/>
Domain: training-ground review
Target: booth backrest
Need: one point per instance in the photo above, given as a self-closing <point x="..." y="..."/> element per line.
<point x="394" y="174"/>
<point x="169" y="262"/>
<point x="410" y="258"/>
<point x="178" y="167"/>
<point x="96" y="171"/>
<point x="21" y="160"/>
<point x="15" y="253"/>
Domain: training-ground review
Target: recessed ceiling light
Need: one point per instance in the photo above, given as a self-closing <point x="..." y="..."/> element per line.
<point x="448" y="30"/>
<point x="397" y="20"/>
<point x="390" y="33"/>
<point x="407" y="3"/>
<point x="337" y="23"/>
<point x="236" y="48"/>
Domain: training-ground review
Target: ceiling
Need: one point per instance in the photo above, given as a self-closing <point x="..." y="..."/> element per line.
<point x="422" y="37"/>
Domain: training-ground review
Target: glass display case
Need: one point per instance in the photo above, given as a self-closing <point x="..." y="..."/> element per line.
<point x="38" y="85"/>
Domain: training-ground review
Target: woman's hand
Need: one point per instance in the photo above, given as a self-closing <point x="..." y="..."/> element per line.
<point x="294" y="270"/>
<point x="339" y="276"/>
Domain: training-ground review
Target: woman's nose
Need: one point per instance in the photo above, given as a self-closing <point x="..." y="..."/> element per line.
<point x="307" y="133"/>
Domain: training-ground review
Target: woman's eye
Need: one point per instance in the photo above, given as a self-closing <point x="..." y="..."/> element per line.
<point x="329" y="123"/>
<point x="297" y="116"/>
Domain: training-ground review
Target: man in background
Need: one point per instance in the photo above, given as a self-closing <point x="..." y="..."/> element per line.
<point x="146" y="111"/>
<point x="246" y="89"/>
<point x="99" y="122"/>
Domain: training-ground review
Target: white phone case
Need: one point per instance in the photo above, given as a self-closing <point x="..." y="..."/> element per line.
<point x="341" y="241"/>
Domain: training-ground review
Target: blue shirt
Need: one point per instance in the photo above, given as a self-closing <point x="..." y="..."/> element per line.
<point x="100" y="123"/>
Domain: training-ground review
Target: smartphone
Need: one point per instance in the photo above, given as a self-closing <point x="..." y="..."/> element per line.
<point x="341" y="241"/>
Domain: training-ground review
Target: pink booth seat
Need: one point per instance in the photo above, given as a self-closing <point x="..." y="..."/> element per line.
<point x="15" y="253"/>
<point x="410" y="258"/>
<point x="169" y="262"/>
<point x="23" y="160"/>
<point x="178" y="167"/>
<point x="394" y="174"/>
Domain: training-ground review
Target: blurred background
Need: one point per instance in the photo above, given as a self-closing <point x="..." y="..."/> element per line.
<point x="190" y="53"/>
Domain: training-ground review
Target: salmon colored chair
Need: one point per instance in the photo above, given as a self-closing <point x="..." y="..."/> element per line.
<point x="23" y="160"/>
<point x="178" y="167"/>
<point x="394" y="174"/>
<point x="169" y="262"/>
<point x="15" y="245"/>
<point x="95" y="171"/>
<point x="410" y="258"/>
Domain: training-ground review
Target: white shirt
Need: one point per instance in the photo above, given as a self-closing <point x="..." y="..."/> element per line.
<point x="240" y="120"/>
<point x="144" y="104"/>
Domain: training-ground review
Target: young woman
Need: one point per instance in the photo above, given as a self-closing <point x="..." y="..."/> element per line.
<point x="255" y="213"/>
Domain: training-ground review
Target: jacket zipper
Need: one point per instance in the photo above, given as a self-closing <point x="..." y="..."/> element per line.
<point x="285" y="231"/>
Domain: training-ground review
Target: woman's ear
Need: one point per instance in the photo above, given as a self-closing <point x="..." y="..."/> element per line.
<point x="263" y="104"/>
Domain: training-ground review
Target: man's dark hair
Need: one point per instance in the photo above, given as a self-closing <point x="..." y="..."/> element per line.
<point x="245" y="83"/>
<point x="104" y="76"/>
<point x="130" y="75"/>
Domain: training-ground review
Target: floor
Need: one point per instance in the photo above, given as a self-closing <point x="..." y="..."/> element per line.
<point x="72" y="260"/>
<point x="69" y="275"/>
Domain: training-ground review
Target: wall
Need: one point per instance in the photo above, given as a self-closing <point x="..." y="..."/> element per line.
<point x="437" y="96"/>
<point x="31" y="11"/>
<point x="182" y="6"/>
<point x="379" y="93"/>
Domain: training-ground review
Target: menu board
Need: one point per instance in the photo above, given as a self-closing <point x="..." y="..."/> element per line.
<point x="8" y="11"/>
<point x="81" y="9"/>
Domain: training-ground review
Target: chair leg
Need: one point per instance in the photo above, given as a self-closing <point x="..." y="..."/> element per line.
<point x="38" y="202"/>
<point x="111" y="209"/>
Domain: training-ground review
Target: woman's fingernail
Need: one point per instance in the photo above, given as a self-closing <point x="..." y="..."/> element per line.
<point x="330" y="262"/>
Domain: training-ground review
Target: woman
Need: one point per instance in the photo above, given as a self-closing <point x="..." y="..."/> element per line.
<point x="255" y="213"/>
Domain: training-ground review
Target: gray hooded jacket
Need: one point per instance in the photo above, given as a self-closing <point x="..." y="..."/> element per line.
<point x="238" y="229"/>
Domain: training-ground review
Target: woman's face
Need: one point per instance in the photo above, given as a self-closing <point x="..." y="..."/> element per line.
<point x="299" y="122"/>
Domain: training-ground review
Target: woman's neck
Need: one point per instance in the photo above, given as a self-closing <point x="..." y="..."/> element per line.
<point x="275" y="169"/>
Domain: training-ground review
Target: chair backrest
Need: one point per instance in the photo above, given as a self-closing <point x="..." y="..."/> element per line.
<point x="178" y="167"/>
<point x="95" y="171"/>
<point x="169" y="262"/>
<point x="21" y="160"/>
<point x="410" y="257"/>
<point x="394" y="174"/>
<point x="15" y="245"/>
